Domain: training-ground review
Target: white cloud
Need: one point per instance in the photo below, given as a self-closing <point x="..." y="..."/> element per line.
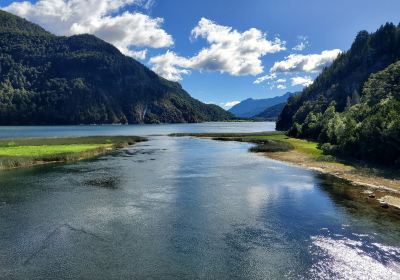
<point x="303" y="43"/>
<point x="305" y="63"/>
<point x="99" y="17"/>
<point x="229" y="51"/>
<point x="281" y="81"/>
<point x="299" y="47"/>
<point x="265" y="78"/>
<point x="137" y="54"/>
<point x="230" y="104"/>
<point x="170" y="66"/>
<point x="304" y="81"/>
<point x="281" y="87"/>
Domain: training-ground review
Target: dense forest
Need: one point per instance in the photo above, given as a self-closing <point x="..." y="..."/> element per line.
<point x="353" y="107"/>
<point x="47" y="79"/>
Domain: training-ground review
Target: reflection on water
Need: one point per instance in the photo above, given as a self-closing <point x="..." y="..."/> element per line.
<point x="183" y="208"/>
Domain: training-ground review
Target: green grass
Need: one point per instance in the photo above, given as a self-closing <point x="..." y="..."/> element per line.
<point x="32" y="151"/>
<point x="70" y="140"/>
<point x="48" y="150"/>
<point x="305" y="146"/>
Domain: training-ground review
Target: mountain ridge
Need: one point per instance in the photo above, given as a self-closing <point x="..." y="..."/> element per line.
<point x="271" y="113"/>
<point x="369" y="53"/>
<point x="49" y="79"/>
<point x="251" y="107"/>
<point x="353" y="107"/>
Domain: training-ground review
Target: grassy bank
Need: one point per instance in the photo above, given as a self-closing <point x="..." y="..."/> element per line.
<point x="34" y="151"/>
<point x="307" y="154"/>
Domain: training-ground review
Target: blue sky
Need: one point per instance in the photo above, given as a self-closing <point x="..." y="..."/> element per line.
<point x="220" y="48"/>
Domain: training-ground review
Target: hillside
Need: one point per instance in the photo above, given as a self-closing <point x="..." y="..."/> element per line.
<point x="353" y="107"/>
<point x="47" y="79"/>
<point x="250" y="107"/>
<point x="342" y="82"/>
<point x="271" y="113"/>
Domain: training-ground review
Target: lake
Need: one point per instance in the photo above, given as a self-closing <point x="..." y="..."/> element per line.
<point x="187" y="208"/>
<point x="139" y="130"/>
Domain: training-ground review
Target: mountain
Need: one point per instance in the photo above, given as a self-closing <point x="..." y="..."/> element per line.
<point x="271" y="113"/>
<point x="343" y="80"/>
<point x="251" y="107"/>
<point x="353" y="107"/>
<point x="48" y="79"/>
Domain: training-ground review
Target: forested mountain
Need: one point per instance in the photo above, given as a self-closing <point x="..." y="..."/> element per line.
<point x="343" y="80"/>
<point x="271" y="113"/>
<point x="353" y="107"/>
<point x="250" y="107"/>
<point x="47" y="79"/>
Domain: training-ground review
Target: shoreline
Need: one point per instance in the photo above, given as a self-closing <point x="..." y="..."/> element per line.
<point x="311" y="158"/>
<point x="348" y="175"/>
<point x="31" y="152"/>
<point x="388" y="196"/>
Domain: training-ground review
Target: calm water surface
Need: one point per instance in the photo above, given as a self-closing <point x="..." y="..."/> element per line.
<point x="139" y="130"/>
<point x="184" y="208"/>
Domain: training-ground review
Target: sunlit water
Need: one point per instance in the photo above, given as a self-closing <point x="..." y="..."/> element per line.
<point x="185" y="208"/>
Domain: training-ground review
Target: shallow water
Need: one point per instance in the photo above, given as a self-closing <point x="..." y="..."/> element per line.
<point x="185" y="208"/>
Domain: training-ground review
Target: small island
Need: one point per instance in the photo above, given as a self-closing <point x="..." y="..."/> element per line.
<point x="37" y="151"/>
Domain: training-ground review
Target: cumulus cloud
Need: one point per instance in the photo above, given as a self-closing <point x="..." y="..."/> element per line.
<point x="170" y="66"/>
<point x="127" y="30"/>
<point x="281" y="80"/>
<point x="304" y="81"/>
<point x="229" y="51"/>
<point x="305" y="63"/>
<point x="230" y="104"/>
<point x="281" y="87"/>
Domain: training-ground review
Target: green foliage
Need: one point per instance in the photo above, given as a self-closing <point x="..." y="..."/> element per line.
<point x="365" y="126"/>
<point x="45" y="79"/>
<point x="369" y="130"/>
<point x="343" y="80"/>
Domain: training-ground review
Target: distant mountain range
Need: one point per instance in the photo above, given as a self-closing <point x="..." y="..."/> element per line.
<point x="48" y="79"/>
<point x="252" y="107"/>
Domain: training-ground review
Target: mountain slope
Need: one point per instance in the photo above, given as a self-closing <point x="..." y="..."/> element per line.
<point x="47" y="79"/>
<point x="342" y="82"/>
<point x="251" y="107"/>
<point x="271" y="113"/>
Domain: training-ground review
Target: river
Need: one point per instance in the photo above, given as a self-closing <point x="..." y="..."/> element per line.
<point x="187" y="208"/>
